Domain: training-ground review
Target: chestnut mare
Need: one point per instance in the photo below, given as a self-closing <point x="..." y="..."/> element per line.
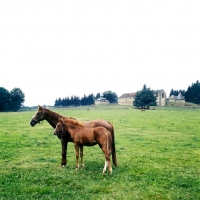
<point x="84" y="136"/>
<point x="52" y="118"/>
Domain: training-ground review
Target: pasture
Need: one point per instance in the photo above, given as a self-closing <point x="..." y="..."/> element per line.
<point x="158" y="153"/>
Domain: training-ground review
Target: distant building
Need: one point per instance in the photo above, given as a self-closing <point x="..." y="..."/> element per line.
<point x="160" y="97"/>
<point x="101" y="101"/>
<point x="179" y="98"/>
<point x="128" y="98"/>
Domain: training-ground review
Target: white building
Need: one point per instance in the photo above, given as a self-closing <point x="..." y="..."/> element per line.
<point x="101" y="101"/>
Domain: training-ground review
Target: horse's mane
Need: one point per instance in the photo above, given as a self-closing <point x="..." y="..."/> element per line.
<point x="53" y="114"/>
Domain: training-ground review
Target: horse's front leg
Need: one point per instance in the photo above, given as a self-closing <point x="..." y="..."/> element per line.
<point x="81" y="155"/>
<point x="77" y="155"/>
<point x="64" y="143"/>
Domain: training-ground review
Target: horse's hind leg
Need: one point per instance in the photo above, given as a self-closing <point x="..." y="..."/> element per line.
<point x="81" y="155"/>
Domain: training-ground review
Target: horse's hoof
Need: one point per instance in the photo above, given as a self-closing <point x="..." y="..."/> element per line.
<point x="62" y="166"/>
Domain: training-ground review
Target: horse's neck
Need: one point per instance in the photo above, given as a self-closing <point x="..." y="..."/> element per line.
<point x="52" y="118"/>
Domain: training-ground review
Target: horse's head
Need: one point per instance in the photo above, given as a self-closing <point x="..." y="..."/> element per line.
<point x="59" y="127"/>
<point x="39" y="116"/>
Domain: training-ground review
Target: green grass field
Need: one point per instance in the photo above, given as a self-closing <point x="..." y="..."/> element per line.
<point x="158" y="154"/>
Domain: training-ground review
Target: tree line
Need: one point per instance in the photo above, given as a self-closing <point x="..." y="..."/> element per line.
<point x="11" y="101"/>
<point x="75" y="101"/>
<point x="176" y="92"/>
<point x="86" y="100"/>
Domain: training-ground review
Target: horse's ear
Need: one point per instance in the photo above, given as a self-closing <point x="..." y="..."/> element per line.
<point x="39" y="107"/>
<point x="60" y="119"/>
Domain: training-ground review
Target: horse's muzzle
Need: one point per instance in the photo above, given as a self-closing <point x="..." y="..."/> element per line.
<point x="55" y="133"/>
<point x="33" y="122"/>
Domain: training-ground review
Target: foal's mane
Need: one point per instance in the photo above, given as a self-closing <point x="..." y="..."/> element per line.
<point x="70" y="121"/>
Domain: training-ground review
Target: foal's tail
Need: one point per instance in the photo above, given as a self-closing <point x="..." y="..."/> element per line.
<point x="114" y="158"/>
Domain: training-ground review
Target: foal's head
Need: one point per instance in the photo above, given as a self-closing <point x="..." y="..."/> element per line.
<point x="64" y="125"/>
<point x="59" y="127"/>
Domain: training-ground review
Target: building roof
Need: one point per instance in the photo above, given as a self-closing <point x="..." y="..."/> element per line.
<point x="172" y="97"/>
<point x="101" y="99"/>
<point x="158" y="91"/>
<point x="180" y="96"/>
<point x="128" y="95"/>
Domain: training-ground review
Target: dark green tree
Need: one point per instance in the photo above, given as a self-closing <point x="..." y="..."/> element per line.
<point x="56" y="102"/>
<point x="171" y="92"/>
<point x="144" y="98"/>
<point x="17" y="98"/>
<point x="192" y="94"/>
<point x="87" y="100"/>
<point x="5" y="99"/>
<point x="97" y="96"/>
<point x="91" y="99"/>
<point x="84" y="100"/>
<point x="66" y="102"/>
<point x="110" y="96"/>
<point x="72" y="101"/>
<point x="77" y="101"/>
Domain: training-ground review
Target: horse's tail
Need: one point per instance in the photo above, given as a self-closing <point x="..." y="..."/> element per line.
<point x="114" y="158"/>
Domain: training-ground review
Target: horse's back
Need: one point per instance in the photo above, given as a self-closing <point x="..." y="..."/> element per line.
<point x="99" y="123"/>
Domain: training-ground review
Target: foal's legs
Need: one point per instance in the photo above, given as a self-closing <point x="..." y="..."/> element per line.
<point x="77" y="155"/>
<point x="81" y="155"/>
<point x="107" y="164"/>
<point x="107" y="154"/>
<point x="105" y="167"/>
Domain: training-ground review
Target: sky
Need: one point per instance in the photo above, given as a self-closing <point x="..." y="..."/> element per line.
<point x="51" y="49"/>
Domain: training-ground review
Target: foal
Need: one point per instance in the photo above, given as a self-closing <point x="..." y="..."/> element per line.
<point x="84" y="136"/>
